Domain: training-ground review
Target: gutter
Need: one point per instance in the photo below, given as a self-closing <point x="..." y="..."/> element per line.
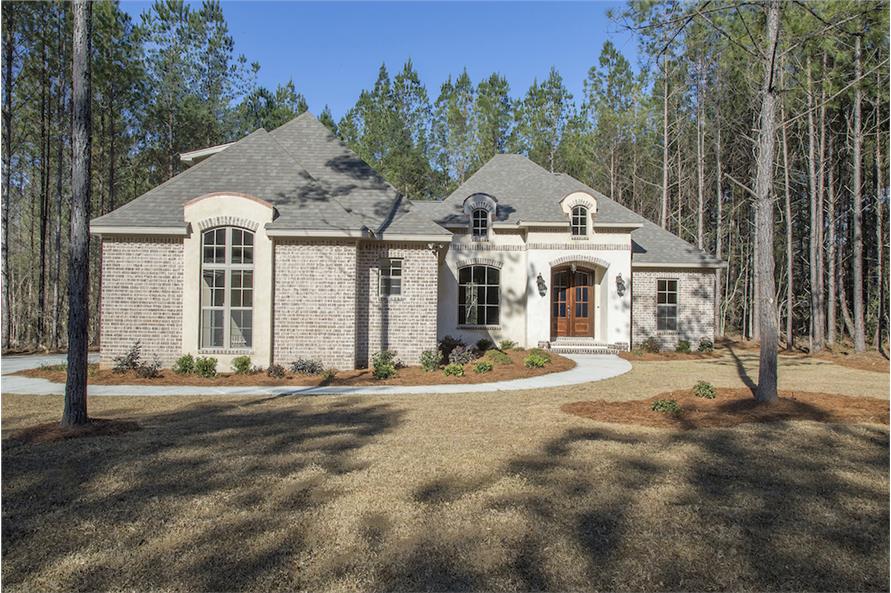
<point x="108" y="230"/>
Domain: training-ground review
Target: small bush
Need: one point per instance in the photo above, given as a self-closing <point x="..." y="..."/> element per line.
<point x="62" y="366"/>
<point x="667" y="406"/>
<point x="706" y="345"/>
<point x="536" y="361"/>
<point x="328" y="375"/>
<point x="149" y="371"/>
<point x="484" y="345"/>
<point x="384" y="364"/>
<point x="540" y="352"/>
<point x="447" y="344"/>
<point x="307" y="366"/>
<point x="275" y="371"/>
<point x="129" y="361"/>
<point x="462" y="355"/>
<point x="682" y="347"/>
<point x="453" y="370"/>
<point x="705" y="389"/>
<point x="482" y="367"/>
<point x="651" y="346"/>
<point x="184" y="365"/>
<point x="206" y="366"/>
<point x="430" y="360"/>
<point x="498" y="357"/>
<point x="242" y="365"/>
<point x="507" y="345"/>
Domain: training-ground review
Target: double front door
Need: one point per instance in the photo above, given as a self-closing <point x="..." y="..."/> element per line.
<point x="572" y="303"/>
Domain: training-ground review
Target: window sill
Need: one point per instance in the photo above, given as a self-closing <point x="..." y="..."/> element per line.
<point x="480" y="239"/>
<point x="224" y="351"/>
<point x="579" y="237"/>
<point x="479" y="326"/>
<point x="667" y="332"/>
<point x="395" y="297"/>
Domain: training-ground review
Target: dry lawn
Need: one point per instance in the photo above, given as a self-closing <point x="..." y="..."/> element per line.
<point x="494" y="491"/>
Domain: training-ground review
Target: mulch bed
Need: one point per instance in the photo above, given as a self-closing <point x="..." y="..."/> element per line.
<point x="361" y="377"/>
<point x="657" y="356"/>
<point x="53" y="431"/>
<point x="735" y="406"/>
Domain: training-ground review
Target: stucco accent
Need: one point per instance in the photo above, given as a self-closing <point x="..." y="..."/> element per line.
<point x="209" y="223"/>
<point x="568" y="259"/>
<point x="579" y="198"/>
<point x="480" y="261"/>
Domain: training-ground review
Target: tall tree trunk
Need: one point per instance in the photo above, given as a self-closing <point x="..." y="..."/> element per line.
<point x="663" y="217"/>
<point x="820" y="311"/>
<point x="8" y="54"/>
<point x="816" y="333"/>
<point x="831" y="321"/>
<point x="767" y="371"/>
<point x="857" y="246"/>
<point x="79" y="266"/>
<point x="700" y="161"/>
<point x="57" y="235"/>
<point x="719" y="199"/>
<point x="880" y="235"/>
<point x="44" y="186"/>
<point x="790" y="274"/>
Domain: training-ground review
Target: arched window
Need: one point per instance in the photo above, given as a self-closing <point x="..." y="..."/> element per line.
<point x="227" y="288"/>
<point x="579" y="222"/>
<point x="479" y="295"/>
<point x="480" y="224"/>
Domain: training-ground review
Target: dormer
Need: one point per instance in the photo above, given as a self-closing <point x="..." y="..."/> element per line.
<point x="580" y="208"/>
<point x="480" y="210"/>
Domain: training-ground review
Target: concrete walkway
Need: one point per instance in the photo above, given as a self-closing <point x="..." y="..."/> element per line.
<point x="589" y="367"/>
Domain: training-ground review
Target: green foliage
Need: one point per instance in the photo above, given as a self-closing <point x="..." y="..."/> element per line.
<point x="184" y="365"/>
<point x="307" y="366"/>
<point x="667" y="406"/>
<point x="498" y="357"/>
<point x="384" y="364"/>
<point x="447" y="344"/>
<point x="651" y="345"/>
<point x="536" y="361"/>
<point x="275" y="371"/>
<point x="484" y="345"/>
<point x="453" y="370"/>
<point x="482" y="367"/>
<point x="242" y="365"/>
<point x="149" y="370"/>
<point x="507" y="345"/>
<point x="206" y="366"/>
<point x="129" y="361"/>
<point x="705" y="390"/>
<point x="542" y="353"/>
<point x="328" y="375"/>
<point x="430" y="360"/>
<point x="62" y="366"/>
<point x="706" y="345"/>
<point x="683" y="347"/>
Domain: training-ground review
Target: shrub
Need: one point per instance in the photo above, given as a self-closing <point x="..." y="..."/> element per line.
<point x="683" y="347"/>
<point x="242" y="365"/>
<point x="430" y="360"/>
<point x="307" y="366"/>
<point x="485" y="345"/>
<point x="129" y="361"/>
<point x="482" y="367"/>
<point x="62" y="366"/>
<point x="461" y="355"/>
<point x="447" y="344"/>
<point x="536" y="361"/>
<point x="328" y="375"/>
<point x="453" y="370"/>
<point x="498" y="357"/>
<point x="540" y="352"/>
<point x="206" y="366"/>
<point x="184" y="365"/>
<point x="384" y="364"/>
<point x="704" y="389"/>
<point x="149" y="371"/>
<point x="276" y="371"/>
<point x="667" y="406"/>
<point x="706" y="345"/>
<point x="651" y="345"/>
<point x="507" y="345"/>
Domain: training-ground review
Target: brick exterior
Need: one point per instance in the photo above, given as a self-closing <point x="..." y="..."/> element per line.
<point x="407" y="323"/>
<point x="314" y="305"/>
<point x="141" y="298"/>
<point x="696" y="301"/>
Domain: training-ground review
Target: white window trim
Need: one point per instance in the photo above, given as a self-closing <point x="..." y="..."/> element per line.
<point x="227" y="267"/>
<point x="461" y="322"/>
<point x="677" y="306"/>
<point x="586" y="222"/>
<point x="387" y="264"/>
<point x="487" y="217"/>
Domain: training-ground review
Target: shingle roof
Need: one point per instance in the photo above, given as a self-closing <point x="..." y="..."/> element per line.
<point x="528" y="193"/>
<point x="314" y="181"/>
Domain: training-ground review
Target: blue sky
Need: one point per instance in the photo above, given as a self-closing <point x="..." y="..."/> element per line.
<point x="333" y="50"/>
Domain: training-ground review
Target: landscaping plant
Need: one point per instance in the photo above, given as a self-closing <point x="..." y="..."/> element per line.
<point x="446" y="345"/>
<point x="485" y="345"/>
<point x="706" y="345"/>
<point x="307" y="366"/>
<point x="651" y="345"/>
<point x="242" y="365"/>
<point x="462" y="355"/>
<point x="430" y="360"/>
<point x="683" y="347"/>
<point x="149" y="371"/>
<point x="276" y="371"/>
<point x="507" y="345"/>
<point x="384" y="364"/>
<point x="184" y="365"/>
<point x="453" y="370"/>
<point x="328" y="375"/>
<point x="206" y="366"/>
<point x="667" y="406"/>
<point x="536" y="360"/>
<point x="129" y="361"/>
<point x="498" y="357"/>
<point x="482" y="367"/>
<point x="541" y="352"/>
<point x="705" y="389"/>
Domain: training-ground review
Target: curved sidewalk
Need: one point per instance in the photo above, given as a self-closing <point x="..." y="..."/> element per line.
<point x="589" y="367"/>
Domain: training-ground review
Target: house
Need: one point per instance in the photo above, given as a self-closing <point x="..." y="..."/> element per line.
<point x="285" y="244"/>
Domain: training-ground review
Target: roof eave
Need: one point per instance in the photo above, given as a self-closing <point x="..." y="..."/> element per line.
<point x="111" y="230"/>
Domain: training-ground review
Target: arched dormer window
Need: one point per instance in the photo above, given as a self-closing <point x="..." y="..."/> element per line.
<point x="579" y="221"/>
<point x="227" y="288"/>
<point x="479" y="224"/>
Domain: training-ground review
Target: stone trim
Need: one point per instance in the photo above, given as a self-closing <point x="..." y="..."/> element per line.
<point x="215" y="221"/>
<point x="568" y="259"/>
<point x="480" y="261"/>
<point x="555" y="246"/>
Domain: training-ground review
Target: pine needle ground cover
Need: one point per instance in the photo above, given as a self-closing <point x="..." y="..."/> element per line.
<point x="475" y="491"/>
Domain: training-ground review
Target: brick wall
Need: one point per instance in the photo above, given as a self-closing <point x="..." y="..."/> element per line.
<point x="407" y="323"/>
<point x="696" y="302"/>
<point x="314" y="305"/>
<point x="141" y="298"/>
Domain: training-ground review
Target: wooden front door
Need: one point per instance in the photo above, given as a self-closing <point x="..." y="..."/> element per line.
<point x="572" y="303"/>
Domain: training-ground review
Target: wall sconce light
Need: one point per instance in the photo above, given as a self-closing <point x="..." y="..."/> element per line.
<point x="542" y="287"/>
<point x="620" y="285"/>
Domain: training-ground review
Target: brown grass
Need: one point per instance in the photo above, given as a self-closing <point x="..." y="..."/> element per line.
<point x="732" y="407"/>
<point x="477" y="491"/>
<point x="661" y="356"/>
<point x="412" y="375"/>
<point x="864" y="361"/>
<point x="51" y="432"/>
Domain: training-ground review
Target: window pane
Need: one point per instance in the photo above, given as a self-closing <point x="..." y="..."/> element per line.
<point x="491" y="315"/>
<point x="464" y="275"/>
<point x="240" y="329"/>
<point x="211" y="328"/>
<point x="493" y="275"/>
<point x="395" y="286"/>
<point x="479" y="274"/>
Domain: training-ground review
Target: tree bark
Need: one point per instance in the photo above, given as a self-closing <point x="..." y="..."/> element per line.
<point x="790" y="275"/>
<point x="8" y="55"/>
<point x="719" y="199"/>
<point x="831" y="321"/>
<point x="79" y="266"/>
<point x="663" y="217"/>
<point x="880" y="235"/>
<point x="816" y="333"/>
<point x="767" y="371"/>
<point x="857" y="244"/>
<point x="57" y="234"/>
<point x="700" y="161"/>
<point x="44" y="186"/>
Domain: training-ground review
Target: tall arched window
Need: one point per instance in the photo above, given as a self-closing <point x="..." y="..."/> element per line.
<point x="227" y="288"/>
<point x="579" y="221"/>
<point x="479" y="295"/>
<point x="480" y="224"/>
